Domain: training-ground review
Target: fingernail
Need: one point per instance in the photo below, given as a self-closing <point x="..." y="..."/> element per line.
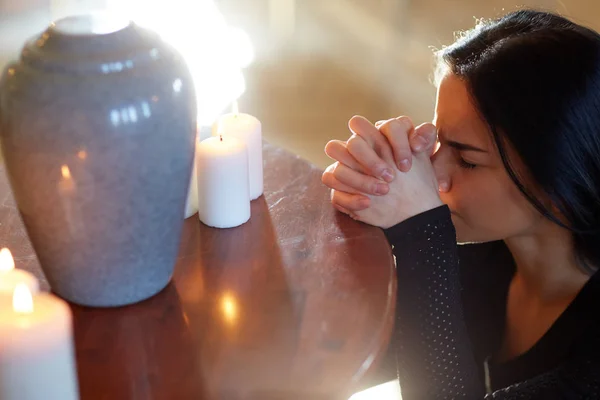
<point x="387" y="175"/>
<point x="443" y="186"/>
<point x="364" y="203"/>
<point x="404" y="165"/>
<point x="420" y="143"/>
<point x="381" y="189"/>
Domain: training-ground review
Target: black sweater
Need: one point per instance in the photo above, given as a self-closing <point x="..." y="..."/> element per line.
<point x="451" y="310"/>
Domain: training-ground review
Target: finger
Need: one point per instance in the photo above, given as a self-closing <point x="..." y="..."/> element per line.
<point x="367" y="157"/>
<point x="424" y="139"/>
<point x="364" y="128"/>
<point x="359" y="182"/>
<point x="328" y="178"/>
<point x="361" y="126"/>
<point x="380" y="122"/>
<point x="342" y="209"/>
<point x="351" y="202"/>
<point x="397" y="131"/>
<point x="336" y="150"/>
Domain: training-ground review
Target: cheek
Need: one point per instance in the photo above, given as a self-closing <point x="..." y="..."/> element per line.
<point x="488" y="207"/>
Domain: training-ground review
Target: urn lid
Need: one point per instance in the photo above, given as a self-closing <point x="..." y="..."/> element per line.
<point x="100" y="43"/>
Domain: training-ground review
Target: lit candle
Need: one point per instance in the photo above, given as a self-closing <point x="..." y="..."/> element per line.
<point x="36" y="348"/>
<point x="11" y="277"/>
<point x="248" y="129"/>
<point x="223" y="193"/>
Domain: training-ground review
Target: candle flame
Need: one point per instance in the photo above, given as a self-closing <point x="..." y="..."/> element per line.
<point x="235" y="108"/>
<point x="22" y="299"/>
<point x="7" y="262"/>
<point x="82" y="155"/>
<point x="229" y="307"/>
<point x="65" y="171"/>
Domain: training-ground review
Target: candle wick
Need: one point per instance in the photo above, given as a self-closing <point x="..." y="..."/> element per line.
<point x="221" y="137"/>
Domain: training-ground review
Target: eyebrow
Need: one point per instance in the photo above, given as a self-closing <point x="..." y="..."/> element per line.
<point x="460" y="146"/>
<point x="464" y="146"/>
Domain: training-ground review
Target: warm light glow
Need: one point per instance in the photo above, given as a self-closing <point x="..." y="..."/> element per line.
<point x="235" y="109"/>
<point x="199" y="31"/>
<point x="386" y="391"/>
<point x="65" y="171"/>
<point x="22" y="299"/>
<point x="82" y="154"/>
<point x="229" y="307"/>
<point x="7" y="262"/>
<point x="436" y="147"/>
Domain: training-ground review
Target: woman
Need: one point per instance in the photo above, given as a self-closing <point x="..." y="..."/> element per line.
<point x="514" y="313"/>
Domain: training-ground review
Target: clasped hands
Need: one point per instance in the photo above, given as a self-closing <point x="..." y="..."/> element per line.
<point x="383" y="174"/>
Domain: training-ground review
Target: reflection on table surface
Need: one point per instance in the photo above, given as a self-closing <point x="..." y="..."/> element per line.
<point x="386" y="391"/>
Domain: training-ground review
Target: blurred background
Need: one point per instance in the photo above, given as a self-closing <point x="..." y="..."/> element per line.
<point x="303" y="67"/>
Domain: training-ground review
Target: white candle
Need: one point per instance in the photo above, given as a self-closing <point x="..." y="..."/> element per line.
<point x="223" y="193"/>
<point x="248" y="129"/>
<point x="10" y="277"/>
<point x="191" y="205"/>
<point x="36" y="348"/>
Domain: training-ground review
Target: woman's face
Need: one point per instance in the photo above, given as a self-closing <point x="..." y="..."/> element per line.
<point x="485" y="203"/>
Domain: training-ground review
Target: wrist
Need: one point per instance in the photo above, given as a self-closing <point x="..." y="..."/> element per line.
<point x="422" y="206"/>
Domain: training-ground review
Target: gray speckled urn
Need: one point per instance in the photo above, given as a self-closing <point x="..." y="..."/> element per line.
<point x="97" y="125"/>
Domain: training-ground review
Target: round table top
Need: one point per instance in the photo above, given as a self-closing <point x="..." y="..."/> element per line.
<point x="298" y="303"/>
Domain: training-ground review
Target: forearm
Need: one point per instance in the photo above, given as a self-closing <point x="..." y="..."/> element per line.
<point x="434" y="355"/>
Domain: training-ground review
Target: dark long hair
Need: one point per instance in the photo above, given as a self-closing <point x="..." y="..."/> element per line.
<point x="535" y="79"/>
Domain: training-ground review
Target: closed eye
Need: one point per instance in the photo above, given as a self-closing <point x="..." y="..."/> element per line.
<point x="465" y="164"/>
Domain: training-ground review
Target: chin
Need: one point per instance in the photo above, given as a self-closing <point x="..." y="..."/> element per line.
<point x="467" y="235"/>
<point x="464" y="235"/>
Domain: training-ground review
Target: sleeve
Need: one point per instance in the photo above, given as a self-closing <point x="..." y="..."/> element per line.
<point x="433" y="350"/>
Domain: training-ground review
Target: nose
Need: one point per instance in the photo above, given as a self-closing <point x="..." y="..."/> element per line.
<point x="442" y="168"/>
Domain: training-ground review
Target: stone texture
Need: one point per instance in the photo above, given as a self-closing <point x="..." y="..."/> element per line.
<point x="97" y="135"/>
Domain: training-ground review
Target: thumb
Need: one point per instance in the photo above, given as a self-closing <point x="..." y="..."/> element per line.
<point x="424" y="139"/>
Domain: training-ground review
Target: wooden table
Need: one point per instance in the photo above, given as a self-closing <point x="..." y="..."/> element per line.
<point x="296" y="304"/>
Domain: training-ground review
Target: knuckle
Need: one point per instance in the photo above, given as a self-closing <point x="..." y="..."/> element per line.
<point x="329" y="146"/>
<point x="405" y="122"/>
<point x="428" y="130"/>
<point x="326" y="178"/>
<point x="373" y="187"/>
<point x="355" y="118"/>
<point x="403" y="151"/>
<point x="365" y="184"/>
<point x="338" y="170"/>
<point x="357" y="203"/>
<point x="356" y="123"/>
<point x="386" y="125"/>
<point x="398" y="131"/>
<point x="376" y="167"/>
<point x="353" y="143"/>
